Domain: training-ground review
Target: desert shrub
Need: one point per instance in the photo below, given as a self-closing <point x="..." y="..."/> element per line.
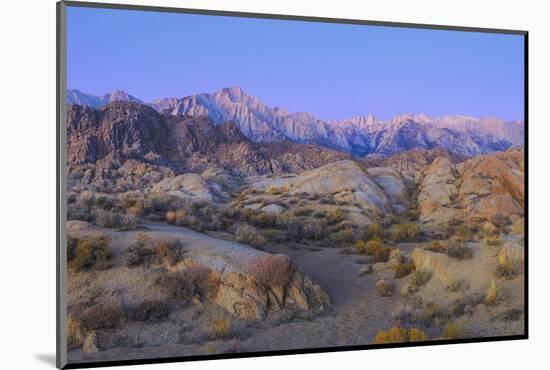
<point x="384" y="287"/>
<point x="335" y="216"/>
<point x="493" y="240"/>
<point x="417" y="335"/>
<point x="114" y="220"/>
<point x="393" y="335"/>
<point x="171" y="217"/>
<point x="75" y="333"/>
<point x="98" y="316"/>
<point x="263" y="219"/>
<point x="432" y="312"/>
<point x="458" y="250"/>
<point x="360" y="247"/>
<point x="406" y="232"/>
<point x="159" y="203"/>
<point x="373" y="246"/>
<point x="408" y="313"/>
<point x="248" y="234"/>
<point x="140" y="252"/>
<point x="303" y="212"/>
<point x="453" y="330"/>
<point x="508" y="265"/>
<point x="193" y="281"/>
<point x="372" y="231"/>
<point x="314" y="230"/>
<point x="492" y="296"/>
<point x="220" y="328"/>
<point x="421" y="276"/>
<point x="345" y="236"/>
<point x="72" y="243"/>
<point x="91" y="253"/>
<point x="403" y="269"/>
<point x="320" y="214"/>
<point x="437" y="246"/>
<point x="400" y="335"/>
<point x="77" y="211"/>
<point x="382" y="255"/>
<point x="463" y="233"/>
<point x="455" y="285"/>
<point x="171" y="250"/>
<point x="272" y="270"/>
<point x="150" y="311"/>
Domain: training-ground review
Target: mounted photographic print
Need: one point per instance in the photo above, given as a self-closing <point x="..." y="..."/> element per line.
<point x="235" y="184"/>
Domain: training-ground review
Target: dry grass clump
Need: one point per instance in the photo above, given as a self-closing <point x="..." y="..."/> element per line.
<point x="406" y="232"/>
<point x="314" y="230"/>
<point x="220" y="327"/>
<point x="372" y="231"/>
<point x="455" y="285"/>
<point x="335" y="216"/>
<point x="171" y="250"/>
<point x="404" y="269"/>
<point x="97" y="316"/>
<point x="91" y="253"/>
<point x="493" y="240"/>
<point x="458" y="250"/>
<point x="247" y="234"/>
<point x="272" y="270"/>
<point x="437" y="246"/>
<point x="375" y="248"/>
<point x="192" y="282"/>
<point x="345" y="236"/>
<point x="400" y="335"/>
<point x="303" y="212"/>
<point x="453" y="330"/>
<point x="462" y="233"/>
<point x="421" y="276"/>
<point x="384" y="288"/>
<point x="508" y="265"/>
<point x="492" y="296"/>
<point x="84" y="319"/>
<point x="150" y="311"/>
<point x="115" y="220"/>
<point x="140" y="252"/>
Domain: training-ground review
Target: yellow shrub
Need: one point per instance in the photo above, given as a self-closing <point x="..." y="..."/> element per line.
<point x="400" y="335"/>
<point x="491" y="297"/>
<point x="360" y="247"/>
<point x="220" y="327"/>
<point x="417" y="335"/>
<point x="393" y="335"/>
<point x="453" y="330"/>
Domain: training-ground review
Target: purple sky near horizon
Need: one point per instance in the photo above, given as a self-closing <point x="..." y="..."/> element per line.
<point x="333" y="71"/>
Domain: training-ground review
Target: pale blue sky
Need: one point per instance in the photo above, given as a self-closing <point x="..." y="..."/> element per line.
<point x="331" y="70"/>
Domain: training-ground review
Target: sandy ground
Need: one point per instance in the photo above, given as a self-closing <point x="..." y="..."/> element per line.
<point x="357" y="312"/>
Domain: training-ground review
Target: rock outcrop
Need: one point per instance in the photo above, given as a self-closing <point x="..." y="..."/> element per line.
<point x="246" y="290"/>
<point x="347" y="178"/>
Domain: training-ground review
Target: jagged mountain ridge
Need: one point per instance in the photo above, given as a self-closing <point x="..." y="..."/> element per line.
<point x="123" y="131"/>
<point x="359" y="136"/>
<point x="77" y="97"/>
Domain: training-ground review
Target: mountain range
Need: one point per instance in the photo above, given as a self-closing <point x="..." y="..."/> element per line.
<point x="358" y="136"/>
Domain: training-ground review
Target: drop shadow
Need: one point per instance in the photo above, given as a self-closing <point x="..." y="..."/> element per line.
<point x="47" y="358"/>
